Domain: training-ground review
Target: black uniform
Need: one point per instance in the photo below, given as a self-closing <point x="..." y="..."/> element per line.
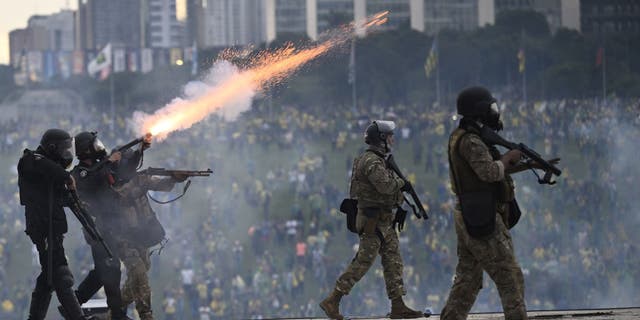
<point x="94" y="189"/>
<point x="42" y="193"/>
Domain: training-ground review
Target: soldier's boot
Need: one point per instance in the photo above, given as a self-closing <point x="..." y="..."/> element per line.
<point x="81" y="301"/>
<point x="39" y="305"/>
<point x="400" y="311"/>
<point x="70" y="304"/>
<point x="331" y="305"/>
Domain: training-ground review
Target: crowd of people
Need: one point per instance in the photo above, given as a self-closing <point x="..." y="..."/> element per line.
<point x="263" y="237"/>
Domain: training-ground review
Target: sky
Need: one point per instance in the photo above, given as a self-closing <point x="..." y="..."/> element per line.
<point x="14" y="15"/>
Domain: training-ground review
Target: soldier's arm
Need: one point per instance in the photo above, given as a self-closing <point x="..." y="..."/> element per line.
<point x="476" y="153"/>
<point x="50" y="169"/>
<point x="383" y="179"/>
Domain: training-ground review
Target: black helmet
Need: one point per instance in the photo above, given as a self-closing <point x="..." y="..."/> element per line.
<point x="478" y="103"/>
<point x="88" y="146"/>
<point x="57" y="145"/>
<point x="377" y="132"/>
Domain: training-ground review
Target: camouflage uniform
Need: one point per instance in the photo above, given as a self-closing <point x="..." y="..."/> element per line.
<point x="377" y="190"/>
<point x="477" y="164"/>
<point x="134" y="254"/>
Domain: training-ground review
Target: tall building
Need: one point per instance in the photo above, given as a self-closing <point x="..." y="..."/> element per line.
<point x="462" y="15"/>
<point x="53" y="32"/>
<point x="332" y="13"/>
<point x="291" y="16"/>
<point x="229" y="22"/>
<point x="559" y="13"/>
<point x="119" y="22"/>
<point x="612" y="16"/>
<point x="162" y="27"/>
<point x="399" y="12"/>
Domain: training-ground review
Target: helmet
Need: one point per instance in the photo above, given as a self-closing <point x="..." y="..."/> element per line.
<point x="378" y="131"/>
<point x="478" y="103"/>
<point x="88" y="146"/>
<point x="57" y="145"/>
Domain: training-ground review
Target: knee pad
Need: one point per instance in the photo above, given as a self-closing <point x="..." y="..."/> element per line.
<point x="62" y="277"/>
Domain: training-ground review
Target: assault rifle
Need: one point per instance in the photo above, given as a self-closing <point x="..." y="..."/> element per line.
<point x="491" y="137"/>
<point x="409" y="189"/>
<point x="86" y="220"/>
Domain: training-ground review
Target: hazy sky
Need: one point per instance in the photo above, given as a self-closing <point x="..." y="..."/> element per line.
<point x="14" y="15"/>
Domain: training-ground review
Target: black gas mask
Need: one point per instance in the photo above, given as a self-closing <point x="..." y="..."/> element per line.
<point x="492" y="118"/>
<point x="88" y="146"/>
<point x="58" y="146"/>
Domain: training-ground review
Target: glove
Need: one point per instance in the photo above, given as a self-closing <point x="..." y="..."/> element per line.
<point x="401" y="216"/>
<point x="406" y="187"/>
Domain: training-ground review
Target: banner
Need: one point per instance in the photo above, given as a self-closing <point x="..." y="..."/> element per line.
<point x="133" y="61"/>
<point x="119" y="62"/>
<point x="146" y="60"/>
<point x="78" y="62"/>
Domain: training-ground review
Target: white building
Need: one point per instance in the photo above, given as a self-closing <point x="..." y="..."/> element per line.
<point x="163" y="28"/>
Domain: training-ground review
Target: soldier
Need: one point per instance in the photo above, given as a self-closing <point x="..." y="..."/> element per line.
<point x="480" y="178"/>
<point x="43" y="183"/>
<point x="142" y="231"/>
<point x="94" y="186"/>
<point x="378" y="191"/>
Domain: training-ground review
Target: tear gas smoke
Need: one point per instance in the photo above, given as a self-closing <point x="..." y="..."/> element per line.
<point x="230" y="89"/>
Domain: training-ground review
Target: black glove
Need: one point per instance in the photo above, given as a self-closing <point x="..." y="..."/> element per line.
<point x="406" y="187"/>
<point x="401" y="216"/>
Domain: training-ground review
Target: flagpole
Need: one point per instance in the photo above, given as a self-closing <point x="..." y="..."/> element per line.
<point x="524" y="85"/>
<point x="437" y="71"/>
<point x="354" y="93"/>
<point x="604" y="75"/>
<point x="112" y="107"/>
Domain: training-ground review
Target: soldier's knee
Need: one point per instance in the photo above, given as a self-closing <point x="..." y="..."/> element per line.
<point x="62" y="277"/>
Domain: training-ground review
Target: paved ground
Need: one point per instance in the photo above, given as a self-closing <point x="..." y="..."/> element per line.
<point x="594" y="314"/>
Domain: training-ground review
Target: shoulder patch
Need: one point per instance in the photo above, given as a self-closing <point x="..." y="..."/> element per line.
<point x="83" y="173"/>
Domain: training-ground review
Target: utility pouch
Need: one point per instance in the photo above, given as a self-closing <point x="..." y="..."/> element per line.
<point x="479" y="212"/>
<point x="371" y="216"/>
<point x="350" y="208"/>
<point x="514" y="214"/>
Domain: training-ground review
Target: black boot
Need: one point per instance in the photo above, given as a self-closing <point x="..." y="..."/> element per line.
<point x="400" y="311"/>
<point x="69" y="301"/>
<point x="39" y="305"/>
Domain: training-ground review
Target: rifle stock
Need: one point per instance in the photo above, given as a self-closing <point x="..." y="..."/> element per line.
<point x="419" y="212"/>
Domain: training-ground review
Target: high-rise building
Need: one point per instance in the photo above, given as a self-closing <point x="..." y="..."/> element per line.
<point x="162" y="27"/>
<point x="291" y="16"/>
<point x="612" y="16"/>
<point x="119" y="22"/>
<point x="462" y="15"/>
<point x="229" y="22"/>
<point x="53" y="32"/>
<point x="399" y="12"/>
<point x="559" y="13"/>
<point x="332" y="13"/>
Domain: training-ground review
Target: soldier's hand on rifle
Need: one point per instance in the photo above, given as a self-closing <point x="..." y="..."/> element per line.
<point x="511" y="158"/>
<point x="179" y="177"/>
<point x="146" y="142"/>
<point x="71" y="183"/>
<point x="406" y="187"/>
<point x="115" y="157"/>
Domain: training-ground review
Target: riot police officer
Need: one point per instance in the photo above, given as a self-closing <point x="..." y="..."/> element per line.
<point x="44" y="184"/>
<point x="94" y="186"/>
<point x="378" y="191"/>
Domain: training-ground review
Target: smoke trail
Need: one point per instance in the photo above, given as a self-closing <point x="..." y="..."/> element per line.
<point x="231" y="90"/>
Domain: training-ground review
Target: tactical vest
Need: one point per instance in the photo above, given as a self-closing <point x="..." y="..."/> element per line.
<point x="365" y="192"/>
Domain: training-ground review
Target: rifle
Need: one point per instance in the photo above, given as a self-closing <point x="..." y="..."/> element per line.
<point x="151" y="171"/>
<point x="167" y="172"/>
<point x="86" y="221"/>
<point x="491" y="137"/>
<point x="412" y="192"/>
